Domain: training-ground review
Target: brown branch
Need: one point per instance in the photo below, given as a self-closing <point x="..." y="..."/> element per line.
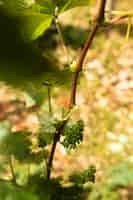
<point x="80" y="64"/>
<point x="50" y="161"/>
<point x="55" y="141"/>
<point x="97" y="22"/>
<point x="121" y="20"/>
<point x="101" y="11"/>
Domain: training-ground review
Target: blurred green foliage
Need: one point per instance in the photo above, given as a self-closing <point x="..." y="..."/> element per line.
<point x="117" y="177"/>
<point x="8" y="191"/>
<point x="87" y="175"/>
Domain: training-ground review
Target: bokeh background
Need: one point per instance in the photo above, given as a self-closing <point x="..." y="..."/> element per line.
<point x="104" y="102"/>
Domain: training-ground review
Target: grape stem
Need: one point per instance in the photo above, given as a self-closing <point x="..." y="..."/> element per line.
<point x="97" y="23"/>
<point x="55" y="141"/>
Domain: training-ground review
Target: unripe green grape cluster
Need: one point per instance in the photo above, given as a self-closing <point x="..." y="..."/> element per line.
<point x="73" y="134"/>
<point x="87" y="175"/>
<point x="90" y="173"/>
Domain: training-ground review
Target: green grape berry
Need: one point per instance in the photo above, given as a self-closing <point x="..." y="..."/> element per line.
<point x="73" y="66"/>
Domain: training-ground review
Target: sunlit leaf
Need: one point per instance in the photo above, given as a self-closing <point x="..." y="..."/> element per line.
<point x="31" y="22"/>
<point x="33" y="25"/>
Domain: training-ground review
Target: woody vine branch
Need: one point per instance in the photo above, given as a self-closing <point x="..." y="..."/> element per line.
<point x="97" y="23"/>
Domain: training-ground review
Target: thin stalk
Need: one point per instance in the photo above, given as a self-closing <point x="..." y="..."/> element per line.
<point x="49" y="100"/>
<point x="128" y="28"/>
<point x="48" y="85"/>
<point x="11" y="164"/>
<point x="59" y="31"/>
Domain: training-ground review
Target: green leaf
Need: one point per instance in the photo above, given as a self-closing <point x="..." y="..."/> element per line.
<point x="33" y="24"/>
<point x="10" y="192"/>
<point x="22" y="64"/>
<point x="17" y="144"/>
<point x="30" y="21"/>
<point x="15" y="6"/>
<point x="34" y="21"/>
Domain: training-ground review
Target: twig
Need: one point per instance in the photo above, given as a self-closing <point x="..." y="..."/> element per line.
<point x="98" y="21"/>
<point x="116" y="20"/>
